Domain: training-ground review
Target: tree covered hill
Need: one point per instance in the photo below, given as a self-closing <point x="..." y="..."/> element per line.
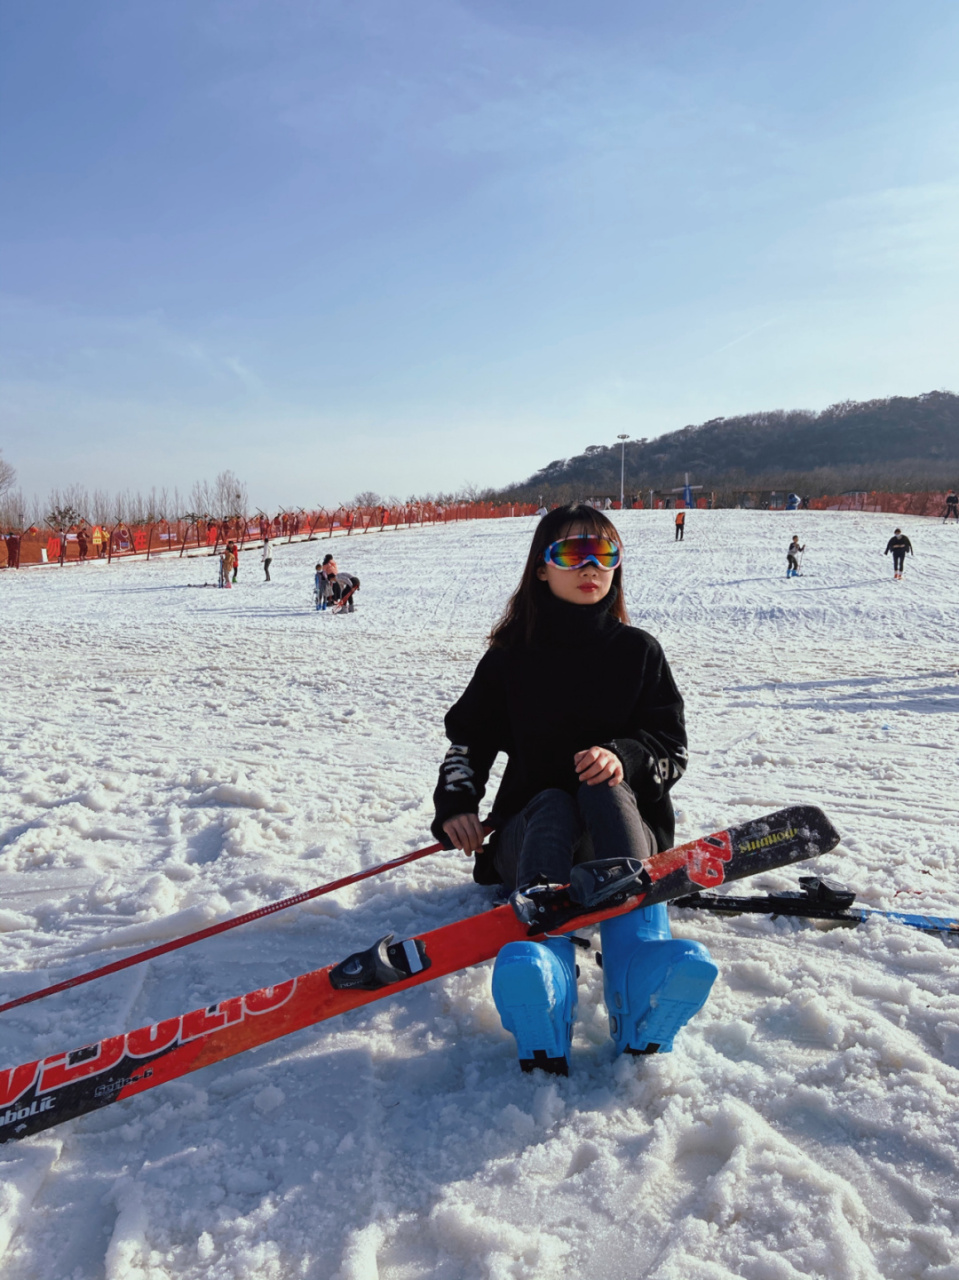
<point x="899" y="443"/>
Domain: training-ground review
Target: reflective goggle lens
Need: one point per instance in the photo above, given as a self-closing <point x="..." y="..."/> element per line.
<point x="580" y="549"/>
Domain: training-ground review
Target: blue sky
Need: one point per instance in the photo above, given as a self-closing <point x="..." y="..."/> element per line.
<point x="401" y="246"/>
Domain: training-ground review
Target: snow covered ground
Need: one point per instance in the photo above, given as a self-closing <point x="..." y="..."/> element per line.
<point x="171" y="755"/>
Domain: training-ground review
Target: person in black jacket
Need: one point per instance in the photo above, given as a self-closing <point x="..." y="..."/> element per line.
<point x="793" y="557"/>
<point x="586" y="710"/>
<point x="898" y="544"/>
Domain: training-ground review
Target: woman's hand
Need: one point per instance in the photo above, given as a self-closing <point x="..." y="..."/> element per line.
<point x="596" y="765"/>
<point x="466" y="832"/>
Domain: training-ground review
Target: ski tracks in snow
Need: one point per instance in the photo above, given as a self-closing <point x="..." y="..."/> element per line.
<point x="173" y="756"/>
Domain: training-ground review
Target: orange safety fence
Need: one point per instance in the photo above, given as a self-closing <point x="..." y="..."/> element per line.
<point x="904" y="504"/>
<point x="86" y="542"/>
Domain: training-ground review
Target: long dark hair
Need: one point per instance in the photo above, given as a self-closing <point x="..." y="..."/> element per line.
<point x="517" y="626"/>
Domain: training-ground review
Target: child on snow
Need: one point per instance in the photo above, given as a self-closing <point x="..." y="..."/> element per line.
<point x="585" y="707"/>
<point x="227" y="565"/>
<point x="793" y="552"/>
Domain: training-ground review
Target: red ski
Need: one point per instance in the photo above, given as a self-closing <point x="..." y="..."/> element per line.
<point x="39" y="1094"/>
<point x="339" y="605"/>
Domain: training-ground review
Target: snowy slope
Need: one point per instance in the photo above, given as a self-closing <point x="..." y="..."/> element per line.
<point x="172" y="754"/>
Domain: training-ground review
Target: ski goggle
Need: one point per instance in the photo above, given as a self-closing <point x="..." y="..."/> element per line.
<point x="582" y="549"/>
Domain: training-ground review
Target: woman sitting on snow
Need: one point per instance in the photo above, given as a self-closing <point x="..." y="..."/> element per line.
<point x="585" y="708"/>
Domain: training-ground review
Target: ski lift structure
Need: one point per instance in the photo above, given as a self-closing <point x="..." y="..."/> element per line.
<point x="684" y="496"/>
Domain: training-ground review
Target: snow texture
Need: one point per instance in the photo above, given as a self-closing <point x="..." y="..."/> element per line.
<point x="171" y="756"/>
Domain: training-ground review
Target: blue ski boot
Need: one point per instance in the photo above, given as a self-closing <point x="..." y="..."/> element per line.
<point x="653" y="983"/>
<point x="534" y="990"/>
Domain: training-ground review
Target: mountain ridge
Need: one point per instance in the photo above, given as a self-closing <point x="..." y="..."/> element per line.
<point x="899" y="441"/>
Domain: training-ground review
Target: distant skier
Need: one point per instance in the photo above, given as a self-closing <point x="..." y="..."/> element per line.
<point x="267" y="557"/>
<point x="319" y="589"/>
<point x="13" y="550"/>
<point x="793" y="552"/>
<point x="227" y="564"/>
<point x="348" y="586"/>
<point x="236" y="559"/>
<point x="588" y="777"/>
<point x="329" y="571"/>
<point x="680" y="526"/>
<point x="898" y="544"/>
<point x="952" y="506"/>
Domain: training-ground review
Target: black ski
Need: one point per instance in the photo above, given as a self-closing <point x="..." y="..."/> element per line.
<point x="818" y="899"/>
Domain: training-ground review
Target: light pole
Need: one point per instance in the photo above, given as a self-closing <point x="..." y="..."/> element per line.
<point x="622" y="471"/>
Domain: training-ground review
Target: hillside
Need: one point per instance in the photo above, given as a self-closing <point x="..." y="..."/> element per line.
<point x="900" y="442"/>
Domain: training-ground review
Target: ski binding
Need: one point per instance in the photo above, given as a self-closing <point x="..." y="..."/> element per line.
<point x="380" y="965"/>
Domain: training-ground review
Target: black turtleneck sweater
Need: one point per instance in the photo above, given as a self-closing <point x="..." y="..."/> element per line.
<point x="587" y="681"/>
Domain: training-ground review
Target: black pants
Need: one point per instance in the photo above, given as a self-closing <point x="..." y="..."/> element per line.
<point x="266" y="567"/>
<point x="679" y="533"/>
<point x="898" y="560"/>
<point x="557" y="830"/>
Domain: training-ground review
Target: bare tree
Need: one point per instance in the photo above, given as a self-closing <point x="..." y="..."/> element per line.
<point x="62" y="514"/>
<point x="32" y="512"/>
<point x="366" y="499"/>
<point x="156" y="506"/>
<point x="229" y="496"/>
<point x="101" y="506"/>
<point x="14" y="509"/>
<point x="130" y="507"/>
<point x="7" y="476"/>
<point x="67" y="506"/>
<point x="201" y="498"/>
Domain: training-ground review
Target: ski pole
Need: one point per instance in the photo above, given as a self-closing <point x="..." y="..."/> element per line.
<point x="222" y="927"/>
